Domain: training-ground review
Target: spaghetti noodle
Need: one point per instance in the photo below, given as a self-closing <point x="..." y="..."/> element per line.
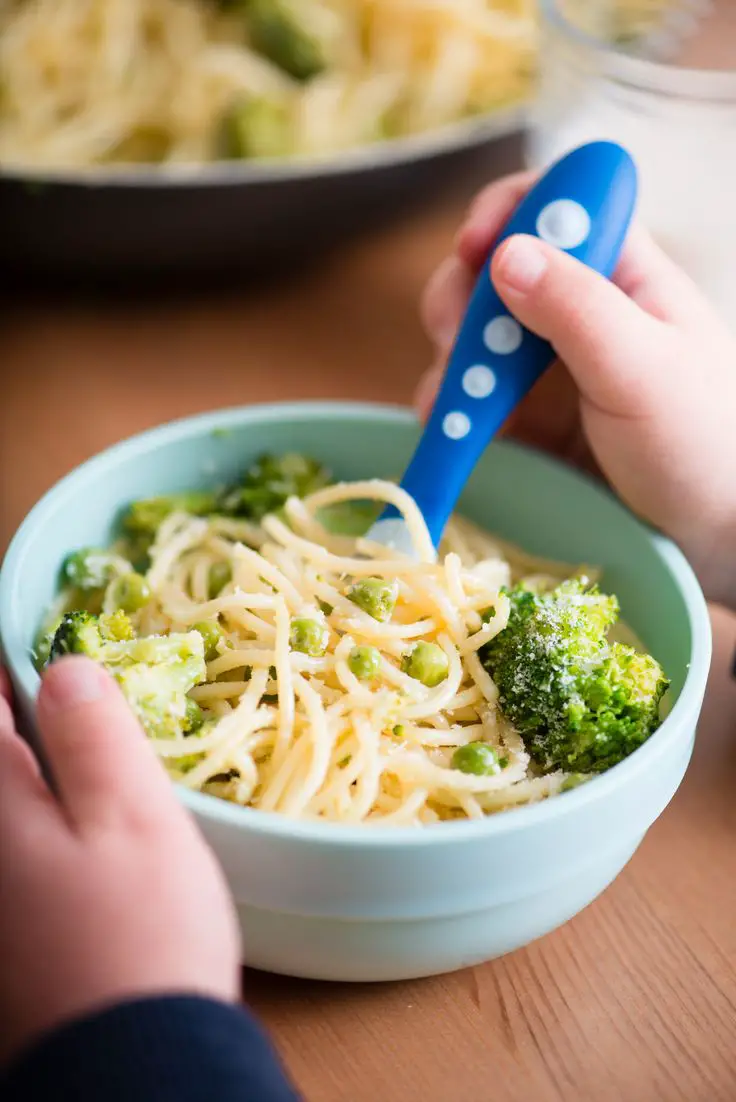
<point x="296" y="730"/>
<point x="93" y="82"/>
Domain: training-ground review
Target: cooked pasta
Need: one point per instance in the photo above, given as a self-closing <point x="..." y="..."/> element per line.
<point x="89" y="82"/>
<point x="346" y="730"/>
<point x="279" y="658"/>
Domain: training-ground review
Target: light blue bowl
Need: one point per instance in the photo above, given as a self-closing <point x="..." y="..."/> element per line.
<point x="360" y="903"/>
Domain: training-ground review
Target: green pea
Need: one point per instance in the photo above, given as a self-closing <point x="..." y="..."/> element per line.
<point x="129" y="592"/>
<point x="478" y="758"/>
<point x="212" y="634"/>
<point x="219" y="575"/>
<point x="364" y="663"/>
<point x="193" y="717"/>
<point x="426" y="662"/>
<point x="376" y="596"/>
<point x="308" y="636"/>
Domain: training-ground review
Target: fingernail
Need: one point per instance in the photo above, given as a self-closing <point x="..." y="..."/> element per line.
<point x="521" y="264"/>
<point x="73" y="682"/>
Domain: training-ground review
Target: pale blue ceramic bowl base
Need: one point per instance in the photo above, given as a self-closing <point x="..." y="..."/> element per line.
<point x="361" y="903"/>
<point x="318" y="948"/>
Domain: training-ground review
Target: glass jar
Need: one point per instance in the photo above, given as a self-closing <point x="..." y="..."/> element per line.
<point x="679" y="124"/>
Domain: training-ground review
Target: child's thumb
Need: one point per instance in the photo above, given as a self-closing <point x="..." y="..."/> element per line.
<point x="104" y="767"/>
<point x="607" y="342"/>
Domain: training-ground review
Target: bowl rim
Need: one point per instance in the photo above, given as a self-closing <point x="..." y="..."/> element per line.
<point x="466" y="133"/>
<point x="336" y="835"/>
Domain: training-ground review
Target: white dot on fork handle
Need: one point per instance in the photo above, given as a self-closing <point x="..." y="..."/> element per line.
<point x="564" y="223"/>
<point x="456" y="425"/>
<point x="479" y="381"/>
<point x="503" y="335"/>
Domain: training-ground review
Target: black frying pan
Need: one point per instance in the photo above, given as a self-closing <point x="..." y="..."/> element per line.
<point x="121" y="226"/>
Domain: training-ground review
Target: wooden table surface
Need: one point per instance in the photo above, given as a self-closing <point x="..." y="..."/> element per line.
<point x="632" y="1001"/>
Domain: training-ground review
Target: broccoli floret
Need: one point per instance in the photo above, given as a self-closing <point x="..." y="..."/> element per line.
<point x="84" y="633"/>
<point x="78" y="633"/>
<point x="41" y="651"/>
<point x="116" y="626"/>
<point x="269" y="483"/>
<point x="93" y="568"/>
<point x="264" y="488"/>
<point x="579" y="702"/>
<point x="278" y="31"/>
<point x="255" y="127"/>
<point x="143" y="518"/>
<point x="155" y="672"/>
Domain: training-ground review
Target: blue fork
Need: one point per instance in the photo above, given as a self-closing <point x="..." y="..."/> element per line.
<point x="584" y="205"/>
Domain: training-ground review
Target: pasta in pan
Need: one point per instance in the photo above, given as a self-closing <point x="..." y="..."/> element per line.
<point x="89" y="82"/>
<point x="183" y="82"/>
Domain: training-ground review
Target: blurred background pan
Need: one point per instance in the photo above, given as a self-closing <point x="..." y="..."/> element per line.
<point x="85" y="81"/>
<point x="234" y="218"/>
<point x="160" y="138"/>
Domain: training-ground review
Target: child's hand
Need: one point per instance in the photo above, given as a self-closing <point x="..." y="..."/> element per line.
<point x="108" y="890"/>
<point x="652" y="374"/>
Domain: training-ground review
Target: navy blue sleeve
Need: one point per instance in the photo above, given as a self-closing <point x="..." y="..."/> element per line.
<point x="169" y="1049"/>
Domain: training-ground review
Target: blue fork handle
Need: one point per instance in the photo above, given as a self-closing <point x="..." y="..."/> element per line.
<point x="584" y="205"/>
